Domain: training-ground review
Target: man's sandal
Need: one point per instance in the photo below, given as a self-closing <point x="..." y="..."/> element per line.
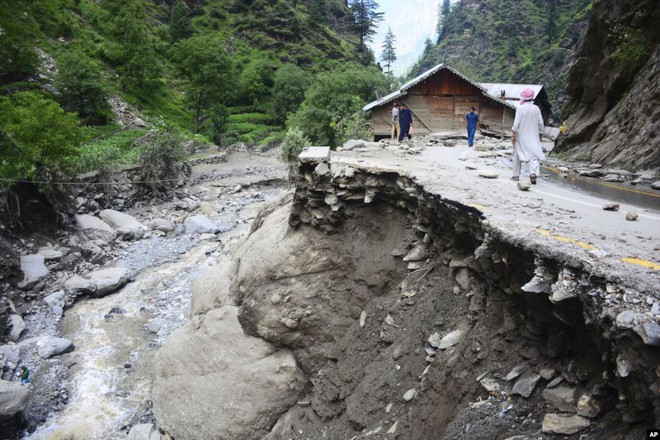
<point x="516" y="178"/>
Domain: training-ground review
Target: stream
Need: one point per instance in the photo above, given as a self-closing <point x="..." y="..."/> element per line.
<point x="109" y="376"/>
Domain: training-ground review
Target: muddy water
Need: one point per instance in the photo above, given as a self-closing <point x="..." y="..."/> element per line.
<point x="618" y="192"/>
<point x="110" y="367"/>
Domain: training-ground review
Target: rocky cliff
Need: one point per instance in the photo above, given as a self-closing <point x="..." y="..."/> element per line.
<point x="613" y="87"/>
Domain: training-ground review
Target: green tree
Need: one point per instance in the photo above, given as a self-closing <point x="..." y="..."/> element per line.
<point x="289" y="85"/>
<point x="40" y="134"/>
<point x="256" y="81"/>
<point x="181" y="26"/>
<point x="203" y="61"/>
<point x="443" y="13"/>
<point x="318" y="11"/>
<point x="82" y="88"/>
<point x="389" y="51"/>
<point x="18" y="58"/>
<point x="137" y="62"/>
<point x="365" y="19"/>
<point x="332" y="99"/>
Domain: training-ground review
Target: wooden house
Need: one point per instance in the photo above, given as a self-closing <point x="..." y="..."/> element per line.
<point x="440" y="97"/>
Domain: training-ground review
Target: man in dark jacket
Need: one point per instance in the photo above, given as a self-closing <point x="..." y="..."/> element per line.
<point x="405" y="122"/>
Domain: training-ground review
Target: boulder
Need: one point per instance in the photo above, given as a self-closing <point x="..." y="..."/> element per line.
<point x="16" y="327"/>
<point x="525" y="385"/>
<point x="144" y="431"/>
<point x="99" y="283"/>
<point x="160" y="224"/>
<point x="126" y="225"/>
<point x="49" y="346"/>
<point x="94" y="227"/>
<point x="561" y="398"/>
<point x="34" y="270"/>
<point x="213" y="381"/>
<point x="199" y="224"/>
<point x="13" y="400"/>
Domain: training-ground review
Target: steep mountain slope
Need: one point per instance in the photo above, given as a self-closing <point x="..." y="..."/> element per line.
<point x="614" y="87"/>
<point x="528" y="41"/>
<point x="138" y="45"/>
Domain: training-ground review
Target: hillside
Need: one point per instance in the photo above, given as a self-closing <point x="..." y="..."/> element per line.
<point x="150" y="53"/>
<point x="613" y="88"/>
<point x="526" y="41"/>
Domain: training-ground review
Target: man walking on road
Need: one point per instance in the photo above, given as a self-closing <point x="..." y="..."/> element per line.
<point x="526" y="139"/>
<point x="472" y="123"/>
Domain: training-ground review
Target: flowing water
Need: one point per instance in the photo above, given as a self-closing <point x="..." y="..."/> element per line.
<point x="110" y="369"/>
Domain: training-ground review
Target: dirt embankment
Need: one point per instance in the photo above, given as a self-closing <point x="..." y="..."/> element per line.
<point x="413" y="319"/>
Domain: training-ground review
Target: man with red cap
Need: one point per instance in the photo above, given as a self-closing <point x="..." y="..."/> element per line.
<point x="526" y="139"/>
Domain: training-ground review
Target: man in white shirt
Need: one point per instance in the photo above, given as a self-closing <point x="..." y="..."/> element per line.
<point x="395" y="121"/>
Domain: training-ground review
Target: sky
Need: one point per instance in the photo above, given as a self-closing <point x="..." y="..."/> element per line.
<point x="412" y="22"/>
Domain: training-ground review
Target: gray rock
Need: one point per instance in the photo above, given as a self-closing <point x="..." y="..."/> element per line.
<point x="524" y="186"/>
<point x="462" y="278"/>
<point x="56" y="299"/>
<point x="451" y="339"/>
<point x="631" y="216"/>
<point x="611" y="207"/>
<point x="537" y="285"/>
<point x="34" y="270"/>
<point x="564" y="424"/>
<point x="628" y="319"/>
<point x="516" y="371"/>
<point x="650" y="333"/>
<point x="49" y="346"/>
<point x="488" y="174"/>
<point x="199" y="224"/>
<point x="16" y="327"/>
<point x="656" y="184"/>
<point x="227" y="384"/>
<point x="525" y="385"/>
<point x="160" y="224"/>
<point x="155" y="325"/>
<point x="124" y="224"/>
<point x="145" y="431"/>
<point x="50" y="253"/>
<point x="562" y="398"/>
<point x="491" y="385"/>
<point x="410" y="394"/>
<point x="588" y="406"/>
<point x="13" y="400"/>
<point x="418" y="253"/>
<point x="10" y="353"/>
<point x="434" y="340"/>
<point x="99" y="283"/>
<point x="89" y="223"/>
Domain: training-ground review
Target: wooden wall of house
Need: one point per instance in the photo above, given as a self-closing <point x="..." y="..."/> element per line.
<point x="440" y="104"/>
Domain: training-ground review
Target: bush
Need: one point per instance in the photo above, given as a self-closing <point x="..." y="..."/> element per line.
<point x="38" y="135"/>
<point x="293" y="144"/>
<point x="163" y="160"/>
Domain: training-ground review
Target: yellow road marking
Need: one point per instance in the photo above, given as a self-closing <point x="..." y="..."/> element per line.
<point x="637" y="261"/>
<point x="581" y="244"/>
<point x="643" y="263"/>
<point x="609" y="185"/>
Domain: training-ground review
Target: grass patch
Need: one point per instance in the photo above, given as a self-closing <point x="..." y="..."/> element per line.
<point x="110" y="152"/>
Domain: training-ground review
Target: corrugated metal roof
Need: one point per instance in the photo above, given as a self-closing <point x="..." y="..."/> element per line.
<point x="511" y="91"/>
<point x="413" y="82"/>
<point x="384" y="100"/>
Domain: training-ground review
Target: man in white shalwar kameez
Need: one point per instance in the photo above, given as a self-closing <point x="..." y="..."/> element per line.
<point x="526" y="139"/>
